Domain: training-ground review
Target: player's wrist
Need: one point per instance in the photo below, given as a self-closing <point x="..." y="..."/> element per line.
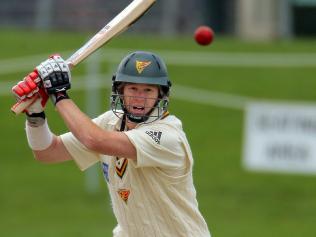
<point x="35" y="119"/>
<point x="59" y="96"/>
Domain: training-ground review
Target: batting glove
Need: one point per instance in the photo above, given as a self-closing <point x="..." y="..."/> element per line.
<point x="28" y="89"/>
<point x="56" y="77"/>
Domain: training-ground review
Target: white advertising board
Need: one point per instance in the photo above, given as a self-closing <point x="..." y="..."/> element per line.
<point x="280" y="137"/>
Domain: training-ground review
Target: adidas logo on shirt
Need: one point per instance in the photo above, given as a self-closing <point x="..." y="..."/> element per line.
<point x="155" y="136"/>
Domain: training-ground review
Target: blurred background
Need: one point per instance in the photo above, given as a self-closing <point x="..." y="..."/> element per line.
<point x="247" y="102"/>
<point x="247" y="19"/>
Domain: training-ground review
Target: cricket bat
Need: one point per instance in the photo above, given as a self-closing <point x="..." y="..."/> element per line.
<point x="117" y="25"/>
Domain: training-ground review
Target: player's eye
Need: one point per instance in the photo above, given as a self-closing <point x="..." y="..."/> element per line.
<point x="132" y="89"/>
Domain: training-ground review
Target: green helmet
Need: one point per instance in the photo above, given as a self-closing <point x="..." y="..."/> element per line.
<point x="141" y="68"/>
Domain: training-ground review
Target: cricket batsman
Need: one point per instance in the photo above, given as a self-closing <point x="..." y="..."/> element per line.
<point x="142" y="149"/>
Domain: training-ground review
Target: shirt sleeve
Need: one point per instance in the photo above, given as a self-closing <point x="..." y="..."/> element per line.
<point x="157" y="147"/>
<point x="83" y="157"/>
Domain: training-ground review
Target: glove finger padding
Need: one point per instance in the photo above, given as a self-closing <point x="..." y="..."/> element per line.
<point x="28" y="89"/>
<point x="25" y="89"/>
<point x="55" y="75"/>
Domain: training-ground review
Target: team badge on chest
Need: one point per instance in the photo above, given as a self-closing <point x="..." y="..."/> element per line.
<point x="121" y="166"/>
<point x="124" y="194"/>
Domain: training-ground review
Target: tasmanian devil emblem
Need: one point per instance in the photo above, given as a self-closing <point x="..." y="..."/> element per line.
<point x="141" y="65"/>
<point x="124" y="194"/>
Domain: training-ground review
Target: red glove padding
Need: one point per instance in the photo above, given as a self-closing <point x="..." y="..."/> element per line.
<point x="27" y="89"/>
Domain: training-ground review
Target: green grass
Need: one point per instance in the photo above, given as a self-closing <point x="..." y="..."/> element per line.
<point x="50" y="200"/>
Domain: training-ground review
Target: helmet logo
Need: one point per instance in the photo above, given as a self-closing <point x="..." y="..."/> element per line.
<point x="141" y="65"/>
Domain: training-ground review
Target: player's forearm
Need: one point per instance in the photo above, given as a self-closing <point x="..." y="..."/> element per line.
<point x="80" y="125"/>
<point x="93" y="137"/>
<point x="46" y="146"/>
<point x="55" y="153"/>
<point x="46" y="155"/>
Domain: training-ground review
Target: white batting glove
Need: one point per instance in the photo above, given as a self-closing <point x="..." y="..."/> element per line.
<point x="56" y="77"/>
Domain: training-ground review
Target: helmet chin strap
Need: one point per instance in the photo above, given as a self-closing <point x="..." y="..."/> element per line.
<point x="123" y="123"/>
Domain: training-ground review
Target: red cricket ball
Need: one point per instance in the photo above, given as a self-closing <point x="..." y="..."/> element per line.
<point x="204" y="35"/>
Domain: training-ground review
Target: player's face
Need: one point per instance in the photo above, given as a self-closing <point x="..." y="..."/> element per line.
<point x="139" y="99"/>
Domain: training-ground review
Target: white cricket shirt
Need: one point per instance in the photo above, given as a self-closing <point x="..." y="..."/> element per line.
<point x="155" y="195"/>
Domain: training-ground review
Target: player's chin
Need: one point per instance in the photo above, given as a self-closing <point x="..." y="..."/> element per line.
<point x="139" y="112"/>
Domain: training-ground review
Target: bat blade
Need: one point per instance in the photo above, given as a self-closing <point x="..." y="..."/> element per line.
<point x="116" y="26"/>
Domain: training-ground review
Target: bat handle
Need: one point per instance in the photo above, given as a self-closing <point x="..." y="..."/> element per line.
<point x="20" y="106"/>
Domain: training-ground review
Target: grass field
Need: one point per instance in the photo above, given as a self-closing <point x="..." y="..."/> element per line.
<point x="50" y="200"/>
